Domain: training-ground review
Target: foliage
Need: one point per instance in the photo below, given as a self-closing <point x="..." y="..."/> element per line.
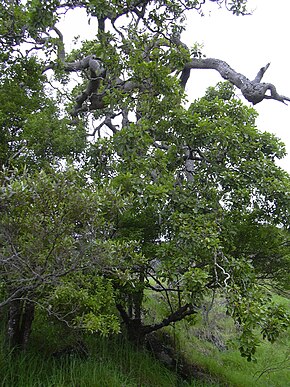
<point x="33" y="129"/>
<point x="53" y="233"/>
<point x="113" y="185"/>
<point x="197" y="211"/>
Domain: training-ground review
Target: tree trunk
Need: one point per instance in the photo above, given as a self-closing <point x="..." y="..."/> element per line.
<point x="20" y="318"/>
<point x="134" y="327"/>
<point x="135" y="331"/>
<point x="14" y="319"/>
<point x="26" y="323"/>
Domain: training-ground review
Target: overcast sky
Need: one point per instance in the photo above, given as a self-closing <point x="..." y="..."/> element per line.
<point x="247" y="43"/>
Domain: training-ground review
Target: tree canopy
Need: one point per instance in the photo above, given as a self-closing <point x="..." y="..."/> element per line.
<point x="115" y="188"/>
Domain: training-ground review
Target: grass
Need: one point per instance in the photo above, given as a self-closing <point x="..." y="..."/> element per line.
<point x="209" y="344"/>
<point x="112" y="362"/>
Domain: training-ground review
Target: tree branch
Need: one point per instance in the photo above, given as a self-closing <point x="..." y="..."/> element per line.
<point x="254" y="91"/>
<point x="96" y="74"/>
<point x="261" y="73"/>
<point x="178" y="315"/>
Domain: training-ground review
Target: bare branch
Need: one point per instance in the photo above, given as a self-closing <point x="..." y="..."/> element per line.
<point x="178" y="315"/>
<point x="261" y="73"/>
<point x="253" y="91"/>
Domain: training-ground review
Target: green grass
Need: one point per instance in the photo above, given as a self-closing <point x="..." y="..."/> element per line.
<point x="210" y="344"/>
<point x="112" y="362"/>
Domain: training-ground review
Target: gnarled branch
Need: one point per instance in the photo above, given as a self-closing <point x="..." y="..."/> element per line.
<point x="254" y="91"/>
<point x="96" y="74"/>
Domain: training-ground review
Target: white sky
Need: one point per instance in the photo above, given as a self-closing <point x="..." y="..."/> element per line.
<point x="247" y="43"/>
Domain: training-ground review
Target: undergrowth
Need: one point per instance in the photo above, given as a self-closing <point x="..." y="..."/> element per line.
<point x="56" y="357"/>
<point x="108" y="363"/>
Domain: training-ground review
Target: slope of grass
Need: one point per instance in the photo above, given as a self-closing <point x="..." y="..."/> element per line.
<point x="209" y="343"/>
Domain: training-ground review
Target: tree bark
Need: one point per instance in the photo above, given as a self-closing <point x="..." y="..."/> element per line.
<point x="20" y="319"/>
<point x="137" y="331"/>
<point x="254" y="91"/>
<point x="26" y="323"/>
<point x="13" y="328"/>
<point x="134" y="327"/>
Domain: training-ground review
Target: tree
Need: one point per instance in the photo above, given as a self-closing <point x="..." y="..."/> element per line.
<point x="197" y="193"/>
<point x="54" y="252"/>
<point x="190" y="180"/>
